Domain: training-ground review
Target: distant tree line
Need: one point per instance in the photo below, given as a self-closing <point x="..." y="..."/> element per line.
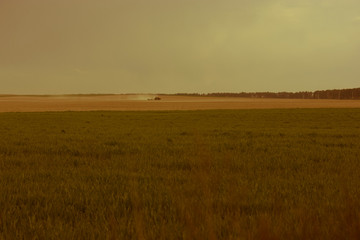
<point x="353" y="93"/>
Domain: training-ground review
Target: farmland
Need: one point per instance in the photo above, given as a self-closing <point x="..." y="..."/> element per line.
<point x="140" y="102"/>
<point x="214" y="174"/>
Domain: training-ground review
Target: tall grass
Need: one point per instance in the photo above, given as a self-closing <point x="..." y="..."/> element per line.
<point x="245" y="174"/>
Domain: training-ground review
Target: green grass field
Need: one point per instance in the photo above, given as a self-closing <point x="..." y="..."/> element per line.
<point x="229" y="174"/>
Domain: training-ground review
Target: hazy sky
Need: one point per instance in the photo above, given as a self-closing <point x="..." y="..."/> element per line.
<point x="169" y="46"/>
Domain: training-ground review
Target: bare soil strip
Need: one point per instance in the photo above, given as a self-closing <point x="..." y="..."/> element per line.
<point x="141" y="103"/>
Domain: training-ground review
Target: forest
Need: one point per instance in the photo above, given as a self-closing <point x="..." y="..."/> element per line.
<point x="352" y="93"/>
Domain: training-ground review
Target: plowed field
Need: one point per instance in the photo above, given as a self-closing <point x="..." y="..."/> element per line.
<point x="141" y="103"/>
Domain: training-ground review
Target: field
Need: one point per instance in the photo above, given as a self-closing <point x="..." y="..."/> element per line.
<point x="214" y="174"/>
<point x="136" y="102"/>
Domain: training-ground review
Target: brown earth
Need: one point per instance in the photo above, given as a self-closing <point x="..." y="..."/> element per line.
<point x="141" y="103"/>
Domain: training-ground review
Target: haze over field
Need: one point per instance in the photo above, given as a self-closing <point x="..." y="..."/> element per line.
<point x="121" y="46"/>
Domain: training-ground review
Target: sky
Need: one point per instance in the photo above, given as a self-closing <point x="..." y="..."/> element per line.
<point x="173" y="46"/>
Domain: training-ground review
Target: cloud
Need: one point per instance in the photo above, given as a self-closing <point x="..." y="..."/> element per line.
<point x="80" y="71"/>
<point x="187" y="45"/>
<point x="356" y="19"/>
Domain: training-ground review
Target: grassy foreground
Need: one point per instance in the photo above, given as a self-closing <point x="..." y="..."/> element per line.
<point x="244" y="174"/>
